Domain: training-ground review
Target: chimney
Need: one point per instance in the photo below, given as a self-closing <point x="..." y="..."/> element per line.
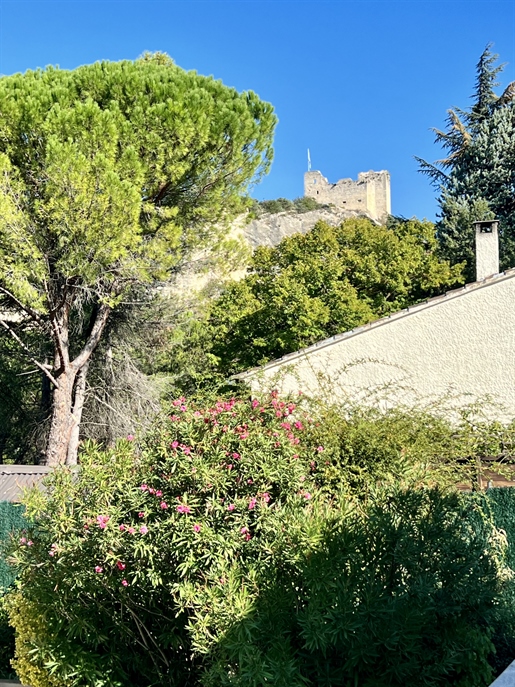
<point x="487" y="248"/>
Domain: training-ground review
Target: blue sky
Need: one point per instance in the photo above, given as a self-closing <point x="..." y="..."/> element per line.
<point x="360" y="83"/>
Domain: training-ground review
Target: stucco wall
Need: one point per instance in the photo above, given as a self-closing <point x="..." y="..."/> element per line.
<point x="461" y="344"/>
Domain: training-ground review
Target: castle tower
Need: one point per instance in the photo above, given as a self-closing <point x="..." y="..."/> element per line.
<point x="370" y="194"/>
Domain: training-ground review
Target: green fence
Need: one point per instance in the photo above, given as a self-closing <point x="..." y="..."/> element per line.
<point x="11" y="520"/>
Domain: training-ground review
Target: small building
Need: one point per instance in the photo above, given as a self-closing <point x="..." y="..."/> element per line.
<point x="459" y="346"/>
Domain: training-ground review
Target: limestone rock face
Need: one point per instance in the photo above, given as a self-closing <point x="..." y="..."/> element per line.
<point x="271" y="229"/>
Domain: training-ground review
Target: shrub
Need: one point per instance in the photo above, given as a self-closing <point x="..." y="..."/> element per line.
<point x="217" y="550"/>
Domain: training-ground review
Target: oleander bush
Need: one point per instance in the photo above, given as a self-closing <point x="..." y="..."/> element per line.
<point x="223" y="551"/>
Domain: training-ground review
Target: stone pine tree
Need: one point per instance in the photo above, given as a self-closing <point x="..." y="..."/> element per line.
<point x="476" y="179"/>
<point x="109" y="175"/>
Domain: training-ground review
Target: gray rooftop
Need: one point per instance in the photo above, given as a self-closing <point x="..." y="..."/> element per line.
<point x="15" y="478"/>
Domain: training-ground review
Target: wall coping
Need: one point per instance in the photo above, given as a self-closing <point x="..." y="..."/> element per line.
<point x="505" y="679"/>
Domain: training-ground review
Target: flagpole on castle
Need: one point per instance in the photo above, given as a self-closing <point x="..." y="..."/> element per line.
<point x="309" y="161"/>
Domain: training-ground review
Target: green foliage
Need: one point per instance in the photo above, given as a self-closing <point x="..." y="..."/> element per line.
<point x="477" y="178"/>
<point x="110" y="176"/>
<point x="6" y="645"/>
<point x="272" y="207"/>
<point x="223" y="551"/>
<point x="310" y="287"/>
<point x="21" y="408"/>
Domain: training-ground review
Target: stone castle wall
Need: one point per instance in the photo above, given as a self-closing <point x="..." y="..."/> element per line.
<point x="370" y="194"/>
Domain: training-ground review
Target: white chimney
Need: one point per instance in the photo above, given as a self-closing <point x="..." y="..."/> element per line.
<point x="487" y="248"/>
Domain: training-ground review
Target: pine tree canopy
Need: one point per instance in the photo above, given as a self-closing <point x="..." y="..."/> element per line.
<point x="109" y="175"/>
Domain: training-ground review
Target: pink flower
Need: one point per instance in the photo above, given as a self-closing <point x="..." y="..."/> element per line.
<point x="236" y="456"/>
<point x="244" y="530"/>
<point x="102" y="521"/>
<point x="197" y="414"/>
<point x="182" y="508"/>
<point x="231" y="507"/>
<point x="298" y="425"/>
<point x="186" y="450"/>
<point x="125" y="583"/>
<point x="320" y="449"/>
<point x="159" y="492"/>
<point x="295" y="456"/>
<point x="244" y="435"/>
<point x="250" y="481"/>
<point x="121" y="528"/>
<point x="163" y="505"/>
<point x="255" y="403"/>
<point x="23" y="540"/>
<point x="278" y="413"/>
<point x="229" y="467"/>
<point x="196" y="528"/>
<point x="144" y="487"/>
<point x="141" y="514"/>
<point x="306" y="495"/>
<point x="130" y="437"/>
<point x="143" y="529"/>
<point x="120" y="565"/>
<point x="29" y="543"/>
<point x="302" y="478"/>
<point x="130" y="530"/>
<point x="98" y="569"/>
<point x="177" y="402"/>
<point x="51" y="553"/>
<point x="266" y="497"/>
<point x="151" y="490"/>
<point x="174" y="444"/>
<point x="252" y="503"/>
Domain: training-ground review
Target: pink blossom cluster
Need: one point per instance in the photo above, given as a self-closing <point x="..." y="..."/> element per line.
<point x="184" y="448"/>
<point x="180" y="403"/>
<point x="102" y="521"/>
<point x="26" y="542"/>
<point x="143" y="529"/>
<point x="183" y="508"/>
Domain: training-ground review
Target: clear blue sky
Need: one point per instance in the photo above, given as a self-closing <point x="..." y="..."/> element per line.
<point x="358" y="82"/>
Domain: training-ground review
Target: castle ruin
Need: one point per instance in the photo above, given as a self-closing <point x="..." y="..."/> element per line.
<point x="370" y="194"/>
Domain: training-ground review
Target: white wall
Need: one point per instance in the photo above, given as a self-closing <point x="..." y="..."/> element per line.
<point x="462" y="343"/>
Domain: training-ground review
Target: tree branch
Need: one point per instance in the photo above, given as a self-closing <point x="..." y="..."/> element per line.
<point x="29" y="354"/>
<point x="30" y="312"/>
<point x="94" y="337"/>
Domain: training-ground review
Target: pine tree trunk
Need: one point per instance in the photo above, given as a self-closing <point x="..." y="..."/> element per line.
<point x="68" y="397"/>
<point x="61" y="423"/>
<point x="78" y="405"/>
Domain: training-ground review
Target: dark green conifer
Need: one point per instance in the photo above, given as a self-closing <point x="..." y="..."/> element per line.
<point x="476" y="179"/>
